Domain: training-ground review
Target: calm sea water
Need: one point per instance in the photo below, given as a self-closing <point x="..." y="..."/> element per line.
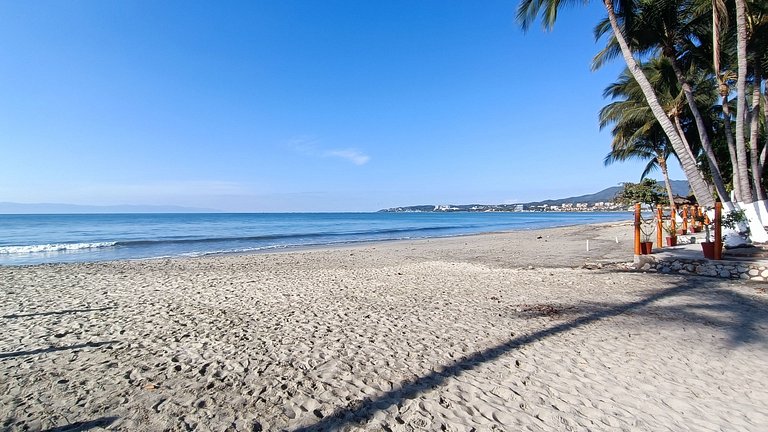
<point x="35" y="239"/>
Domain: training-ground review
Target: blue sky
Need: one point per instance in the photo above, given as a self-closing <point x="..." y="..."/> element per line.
<point x="298" y="105"/>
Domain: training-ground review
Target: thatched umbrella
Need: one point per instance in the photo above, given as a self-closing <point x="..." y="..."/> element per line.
<point x="679" y="200"/>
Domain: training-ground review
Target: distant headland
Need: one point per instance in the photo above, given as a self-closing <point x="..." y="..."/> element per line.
<point x="599" y="201"/>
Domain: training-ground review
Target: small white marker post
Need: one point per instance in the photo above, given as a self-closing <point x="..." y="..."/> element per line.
<point x="587" y="245"/>
<point x="617" y="239"/>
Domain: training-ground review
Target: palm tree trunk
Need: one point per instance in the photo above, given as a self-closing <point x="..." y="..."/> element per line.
<point x="756" y="227"/>
<point x="764" y="152"/>
<point x="717" y="177"/>
<point x="681" y="132"/>
<point x="724" y="91"/>
<point x="754" y="124"/>
<point x="715" y="39"/>
<point x="665" y="173"/>
<point x="695" y="179"/>
<point x="741" y="100"/>
<point x="731" y="146"/>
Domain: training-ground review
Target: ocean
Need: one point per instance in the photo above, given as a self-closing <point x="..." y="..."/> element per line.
<point x="37" y="239"/>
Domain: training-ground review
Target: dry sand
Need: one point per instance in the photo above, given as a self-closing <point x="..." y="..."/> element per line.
<point x="487" y="332"/>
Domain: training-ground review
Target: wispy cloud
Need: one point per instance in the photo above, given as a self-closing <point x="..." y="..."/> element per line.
<point x="310" y="147"/>
<point x="352" y="155"/>
<point x="305" y="146"/>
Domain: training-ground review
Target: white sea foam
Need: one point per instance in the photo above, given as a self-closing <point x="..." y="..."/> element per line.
<point x="55" y="247"/>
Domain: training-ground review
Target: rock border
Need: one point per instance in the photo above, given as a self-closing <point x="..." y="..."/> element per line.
<point x="721" y="269"/>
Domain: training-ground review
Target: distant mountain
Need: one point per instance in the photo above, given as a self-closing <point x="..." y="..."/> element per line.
<point x="51" y="208"/>
<point x="679" y="187"/>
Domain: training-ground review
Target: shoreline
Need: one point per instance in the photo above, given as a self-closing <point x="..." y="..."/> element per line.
<point x="330" y="246"/>
<point x="502" y="331"/>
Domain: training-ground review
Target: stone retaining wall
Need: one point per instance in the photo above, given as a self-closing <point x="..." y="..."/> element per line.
<point x="721" y="269"/>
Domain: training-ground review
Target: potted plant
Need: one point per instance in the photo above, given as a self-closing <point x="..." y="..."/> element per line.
<point x="672" y="233"/>
<point x="646" y="245"/>
<point x="735" y="220"/>
<point x="731" y="221"/>
<point x="695" y="227"/>
<point x="707" y="246"/>
<point x="697" y="223"/>
<point x="647" y="192"/>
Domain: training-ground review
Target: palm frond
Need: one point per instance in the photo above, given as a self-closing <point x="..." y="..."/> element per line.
<point x="528" y="11"/>
<point x="650" y="167"/>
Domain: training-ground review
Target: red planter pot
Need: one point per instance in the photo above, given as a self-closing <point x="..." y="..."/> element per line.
<point x="646" y="248"/>
<point x="709" y="249"/>
<point x="671" y="241"/>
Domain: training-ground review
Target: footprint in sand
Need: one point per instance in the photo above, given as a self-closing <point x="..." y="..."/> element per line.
<point x="419" y="421"/>
<point x="445" y="403"/>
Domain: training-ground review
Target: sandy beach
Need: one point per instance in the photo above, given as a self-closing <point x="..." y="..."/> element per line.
<point x="506" y="332"/>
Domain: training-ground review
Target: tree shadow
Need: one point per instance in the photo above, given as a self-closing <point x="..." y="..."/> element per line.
<point x="63" y="312"/>
<point x="84" y="425"/>
<point x="735" y="313"/>
<point x="54" y="349"/>
<point x="722" y="300"/>
<point x="739" y="315"/>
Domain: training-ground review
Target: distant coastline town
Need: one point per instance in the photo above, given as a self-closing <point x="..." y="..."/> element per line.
<point x="600" y="206"/>
<point x="602" y="201"/>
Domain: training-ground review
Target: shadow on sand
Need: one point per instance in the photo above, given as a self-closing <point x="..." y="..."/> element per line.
<point x="64" y="312"/>
<point x="744" y="314"/>
<point x="84" y="425"/>
<point x="54" y="349"/>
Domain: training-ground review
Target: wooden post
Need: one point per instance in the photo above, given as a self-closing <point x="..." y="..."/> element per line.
<point x="685" y="219"/>
<point x="659" y="226"/>
<point x="672" y="221"/>
<point x="637" y="229"/>
<point x="702" y="215"/>
<point x="718" y="231"/>
<point x="696" y="213"/>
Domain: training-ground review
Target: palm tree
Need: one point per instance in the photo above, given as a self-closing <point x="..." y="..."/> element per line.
<point x="527" y="12"/>
<point x="720" y="19"/>
<point x="669" y="27"/>
<point x="724" y="78"/>
<point x="757" y="45"/>
<point x="652" y="147"/>
<point x="636" y="132"/>
<point x="744" y="52"/>
<point x="757" y="26"/>
<point x="753" y="62"/>
<point x="754" y="144"/>
<point x="741" y="97"/>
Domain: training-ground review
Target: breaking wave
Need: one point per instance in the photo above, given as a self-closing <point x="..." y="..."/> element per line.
<point x="55" y="247"/>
